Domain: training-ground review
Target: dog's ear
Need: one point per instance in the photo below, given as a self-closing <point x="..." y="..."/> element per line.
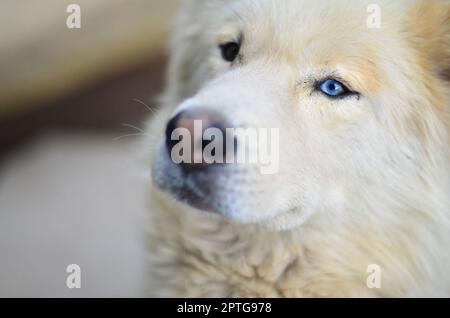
<point x="429" y="21"/>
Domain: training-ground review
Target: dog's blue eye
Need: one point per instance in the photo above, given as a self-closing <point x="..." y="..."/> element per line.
<point x="333" y="88"/>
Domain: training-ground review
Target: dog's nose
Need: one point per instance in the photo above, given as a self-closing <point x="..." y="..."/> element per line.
<point x="196" y="122"/>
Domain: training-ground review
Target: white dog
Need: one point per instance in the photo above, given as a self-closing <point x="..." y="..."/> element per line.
<point x="359" y="205"/>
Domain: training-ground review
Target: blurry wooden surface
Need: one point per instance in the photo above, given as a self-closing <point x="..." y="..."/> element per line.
<point x="106" y="106"/>
<point x="42" y="60"/>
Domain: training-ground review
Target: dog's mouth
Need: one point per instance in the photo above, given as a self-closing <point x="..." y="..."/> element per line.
<point x="235" y="191"/>
<point x="190" y="194"/>
<point x="202" y="190"/>
<point x="206" y="192"/>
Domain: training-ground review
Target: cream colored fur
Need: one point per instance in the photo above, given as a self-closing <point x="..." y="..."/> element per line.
<point x="362" y="181"/>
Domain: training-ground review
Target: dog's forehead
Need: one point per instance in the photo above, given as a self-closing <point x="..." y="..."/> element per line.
<point x="319" y="35"/>
<point x="303" y="19"/>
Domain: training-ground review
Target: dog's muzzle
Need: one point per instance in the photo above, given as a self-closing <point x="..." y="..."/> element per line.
<point x="196" y="180"/>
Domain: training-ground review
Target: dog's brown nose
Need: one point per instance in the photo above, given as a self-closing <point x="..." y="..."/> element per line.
<point x="202" y="127"/>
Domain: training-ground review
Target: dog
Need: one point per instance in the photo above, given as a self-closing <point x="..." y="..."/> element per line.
<point x="358" y="205"/>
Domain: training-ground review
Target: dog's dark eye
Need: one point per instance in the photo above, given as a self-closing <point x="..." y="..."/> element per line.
<point x="230" y="51"/>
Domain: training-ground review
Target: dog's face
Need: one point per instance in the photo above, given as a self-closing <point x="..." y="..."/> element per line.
<point x="342" y="82"/>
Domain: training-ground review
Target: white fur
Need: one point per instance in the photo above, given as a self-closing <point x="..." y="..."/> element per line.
<point x="361" y="181"/>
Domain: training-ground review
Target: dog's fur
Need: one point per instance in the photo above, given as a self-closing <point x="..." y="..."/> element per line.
<point x="362" y="180"/>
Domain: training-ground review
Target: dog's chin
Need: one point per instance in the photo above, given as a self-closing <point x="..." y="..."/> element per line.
<point x="189" y="201"/>
<point x="283" y="221"/>
<point x="219" y="193"/>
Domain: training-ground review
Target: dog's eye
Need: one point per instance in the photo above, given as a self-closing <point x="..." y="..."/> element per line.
<point x="333" y="88"/>
<point x="230" y="51"/>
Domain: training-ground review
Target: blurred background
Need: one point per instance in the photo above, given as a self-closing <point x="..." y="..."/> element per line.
<point x="72" y="102"/>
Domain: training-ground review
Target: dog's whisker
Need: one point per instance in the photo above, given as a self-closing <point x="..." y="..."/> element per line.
<point x="137" y="100"/>
<point x="134" y="135"/>
<point x="134" y="127"/>
<point x="153" y="111"/>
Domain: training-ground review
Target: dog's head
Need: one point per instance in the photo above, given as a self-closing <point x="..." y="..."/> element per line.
<point x="287" y="109"/>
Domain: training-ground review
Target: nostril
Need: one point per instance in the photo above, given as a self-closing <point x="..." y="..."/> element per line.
<point x="189" y="120"/>
<point x="219" y="128"/>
